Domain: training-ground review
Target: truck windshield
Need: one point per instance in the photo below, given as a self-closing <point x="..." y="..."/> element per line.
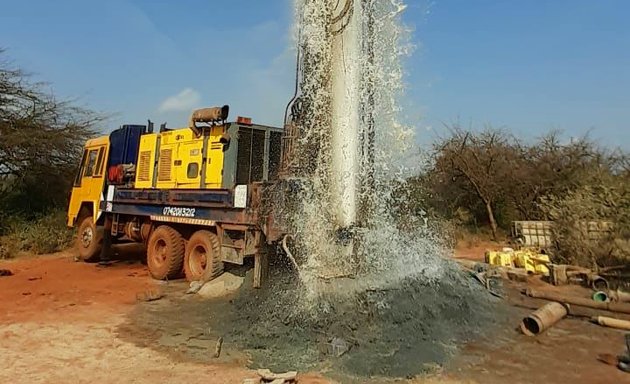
<point x="89" y="170"/>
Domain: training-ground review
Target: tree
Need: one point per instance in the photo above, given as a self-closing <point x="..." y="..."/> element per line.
<point x="550" y="167"/>
<point x="40" y="142"/>
<point x="480" y="164"/>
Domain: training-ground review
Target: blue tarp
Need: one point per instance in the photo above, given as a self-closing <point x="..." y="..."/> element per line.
<point x="124" y="143"/>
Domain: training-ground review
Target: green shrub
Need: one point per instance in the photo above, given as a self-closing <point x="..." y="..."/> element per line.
<point x="606" y="205"/>
<point x="45" y="234"/>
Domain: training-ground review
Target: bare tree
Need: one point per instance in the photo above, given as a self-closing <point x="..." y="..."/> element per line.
<point x="480" y="162"/>
<point x="490" y="175"/>
<point x="551" y="167"/>
<point x="40" y="139"/>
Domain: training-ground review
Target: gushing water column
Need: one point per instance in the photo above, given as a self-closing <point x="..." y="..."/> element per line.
<point x="328" y="137"/>
<point x="345" y="109"/>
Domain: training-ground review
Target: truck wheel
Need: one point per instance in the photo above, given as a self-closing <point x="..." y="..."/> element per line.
<point x="89" y="240"/>
<point x="203" y="257"/>
<point x="165" y="253"/>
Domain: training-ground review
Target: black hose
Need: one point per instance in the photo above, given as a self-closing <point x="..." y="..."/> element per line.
<point x="297" y="73"/>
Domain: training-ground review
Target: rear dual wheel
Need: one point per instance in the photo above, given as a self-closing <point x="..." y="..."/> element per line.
<point x="203" y="257"/>
<point x="165" y="253"/>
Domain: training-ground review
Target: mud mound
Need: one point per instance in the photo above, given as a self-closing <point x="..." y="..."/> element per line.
<point x="398" y="331"/>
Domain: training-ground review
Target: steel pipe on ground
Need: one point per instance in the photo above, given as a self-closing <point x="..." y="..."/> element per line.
<point x="612" y="323"/>
<point x="601" y="296"/>
<point x="619" y="296"/>
<point x="543" y="318"/>
<point x="582" y="302"/>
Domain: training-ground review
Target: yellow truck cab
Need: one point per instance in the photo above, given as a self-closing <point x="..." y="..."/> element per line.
<point x="87" y="192"/>
<point x="198" y="185"/>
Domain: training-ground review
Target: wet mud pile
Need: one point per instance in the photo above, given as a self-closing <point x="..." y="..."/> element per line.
<point x="400" y="331"/>
<point x="406" y="329"/>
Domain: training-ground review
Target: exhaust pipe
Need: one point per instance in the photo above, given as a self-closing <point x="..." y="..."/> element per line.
<point x="207" y="115"/>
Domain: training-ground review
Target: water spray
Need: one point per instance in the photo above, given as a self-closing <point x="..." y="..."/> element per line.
<point x="360" y="276"/>
<point x="326" y="130"/>
<point x="343" y="151"/>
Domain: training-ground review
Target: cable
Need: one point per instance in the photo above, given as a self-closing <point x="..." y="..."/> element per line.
<point x="297" y="70"/>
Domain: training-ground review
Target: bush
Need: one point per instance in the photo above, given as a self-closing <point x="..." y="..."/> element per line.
<point x="45" y="234"/>
<point x="591" y="224"/>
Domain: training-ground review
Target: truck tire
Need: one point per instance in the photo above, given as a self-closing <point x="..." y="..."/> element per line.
<point x="89" y="240"/>
<point x="165" y="253"/>
<point x="203" y="257"/>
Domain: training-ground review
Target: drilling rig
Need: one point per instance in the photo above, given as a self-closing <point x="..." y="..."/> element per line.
<point x="199" y="196"/>
<point x="192" y="195"/>
<point x="329" y="124"/>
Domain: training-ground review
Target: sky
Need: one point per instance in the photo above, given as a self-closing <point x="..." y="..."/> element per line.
<point x="526" y="66"/>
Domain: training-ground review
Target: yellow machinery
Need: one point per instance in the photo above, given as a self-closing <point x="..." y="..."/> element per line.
<point x="180" y="159"/>
<point x="532" y="262"/>
<point x="193" y="195"/>
<point x="88" y="184"/>
<point x="179" y="166"/>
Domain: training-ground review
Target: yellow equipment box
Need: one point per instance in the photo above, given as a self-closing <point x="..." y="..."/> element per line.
<point x="532" y="262"/>
<point x="502" y="259"/>
<point x="535" y="263"/>
<point x="180" y="159"/>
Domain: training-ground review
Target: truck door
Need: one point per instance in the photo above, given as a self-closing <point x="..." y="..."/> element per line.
<point x="89" y="182"/>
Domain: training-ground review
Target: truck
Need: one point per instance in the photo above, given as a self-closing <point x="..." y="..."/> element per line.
<point x="193" y="196"/>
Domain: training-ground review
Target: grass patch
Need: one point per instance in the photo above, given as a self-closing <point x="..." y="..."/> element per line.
<point x="44" y="234"/>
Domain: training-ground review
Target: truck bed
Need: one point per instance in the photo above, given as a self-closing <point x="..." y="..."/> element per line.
<point x="193" y="206"/>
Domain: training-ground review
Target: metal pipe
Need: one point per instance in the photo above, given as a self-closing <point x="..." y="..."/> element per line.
<point x="598" y="283"/>
<point x="612" y="323"/>
<point x="583" y="302"/>
<point x="207" y="115"/>
<point x="600" y="296"/>
<point x="345" y="71"/>
<point x="619" y="296"/>
<point x="543" y="318"/>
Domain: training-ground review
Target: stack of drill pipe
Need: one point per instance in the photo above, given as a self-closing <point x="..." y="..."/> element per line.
<point x="583" y="302"/>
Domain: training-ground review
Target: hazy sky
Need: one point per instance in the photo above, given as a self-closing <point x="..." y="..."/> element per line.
<point x="529" y="66"/>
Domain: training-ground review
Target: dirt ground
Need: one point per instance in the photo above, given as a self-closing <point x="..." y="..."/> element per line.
<point x="67" y="322"/>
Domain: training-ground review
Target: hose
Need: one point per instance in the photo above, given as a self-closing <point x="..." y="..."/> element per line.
<point x="344" y="11"/>
<point x="344" y="24"/>
<point x="288" y="252"/>
<point x="297" y="71"/>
